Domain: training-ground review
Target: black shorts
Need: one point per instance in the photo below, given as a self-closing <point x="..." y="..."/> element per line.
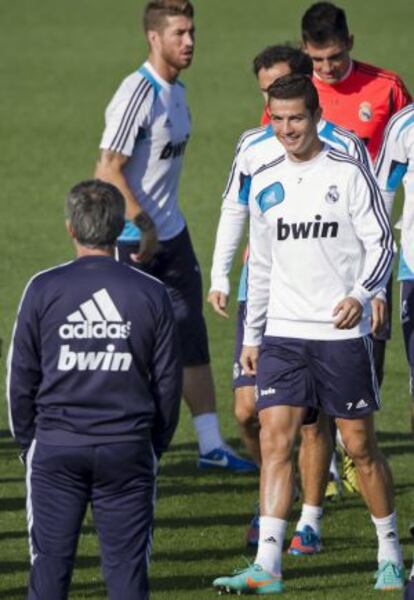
<point x="335" y="376"/>
<point x="240" y="379"/>
<point x="407" y="324"/>
<point x="175" y="264"/>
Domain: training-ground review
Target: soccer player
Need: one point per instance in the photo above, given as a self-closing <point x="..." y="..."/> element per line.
<point x="257" y="147"/>
<point x="147" y="129"/>
<point x="395" y="164"/>
<point x="94" y="385"/>
<point x="321" y="245"/>
<point x="360" y="97"/>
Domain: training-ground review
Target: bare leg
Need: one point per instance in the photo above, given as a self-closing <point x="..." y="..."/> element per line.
<point x="314" y="457"/>
<point x="374" y="475"/>
<point x="279" y="428"/>
<point x="246" y="417"/>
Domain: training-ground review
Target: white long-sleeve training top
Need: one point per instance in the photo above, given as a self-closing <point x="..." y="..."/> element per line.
<point x="319" y="232"/>
<point x="395" y="165"/>
<point x="257" y="147"/>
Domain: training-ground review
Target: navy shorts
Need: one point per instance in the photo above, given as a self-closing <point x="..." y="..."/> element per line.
<point x="407" y="324"/>
<point x="336" y="376"/>
<point x="175" y="264"/>
<point x="240" y="379"/>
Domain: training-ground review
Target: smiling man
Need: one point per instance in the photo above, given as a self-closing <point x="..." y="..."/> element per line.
<point x="147" y="128"/>
<point x="352" y="94"/>
<point x="320" y="248"/>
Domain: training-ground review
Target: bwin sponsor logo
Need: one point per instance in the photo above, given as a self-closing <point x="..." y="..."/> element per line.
<point x="108" y="360"/>
<point x="171" y="150"/>
<point x="268" y="391"/>
<point x="306" y="230"/>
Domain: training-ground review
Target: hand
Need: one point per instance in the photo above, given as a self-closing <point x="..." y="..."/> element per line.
<point x="218" y="301"/>
<point x="379" y="317"/>
<point x="348" y="313"/>
<point x="148" y="244"/>
<point x="249" y="358"/>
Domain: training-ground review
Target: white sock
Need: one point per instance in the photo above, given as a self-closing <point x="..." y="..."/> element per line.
<point x="333" y="468"/>
<point x="388" y="544"/>
<point x="208" y="432"/>
<point x="310" y="515"/>
<point x="271" y="536"/>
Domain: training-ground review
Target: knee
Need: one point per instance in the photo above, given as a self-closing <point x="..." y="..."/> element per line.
<point x="245" y="409"/>
<point x="360" y="450"/>
<point x="276" y="446"/>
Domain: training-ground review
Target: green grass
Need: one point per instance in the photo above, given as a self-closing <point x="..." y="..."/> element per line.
<point x="60" y="64"/>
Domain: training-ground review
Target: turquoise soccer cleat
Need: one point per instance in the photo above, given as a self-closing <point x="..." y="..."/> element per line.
<point x="253" y="580"/>
<point x="389" y="576"/>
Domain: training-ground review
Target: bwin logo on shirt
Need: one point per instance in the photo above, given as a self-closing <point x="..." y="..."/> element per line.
<point x="171" y="150"/>
<point x="306" y="230"/>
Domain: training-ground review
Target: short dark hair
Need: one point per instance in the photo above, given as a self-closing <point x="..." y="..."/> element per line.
<point x="295" y="85"/>
<point x="323" y="22"/>
<point x="96" y="211"/>
<point x="157" y="11"/>
<point x="298" y="61"/>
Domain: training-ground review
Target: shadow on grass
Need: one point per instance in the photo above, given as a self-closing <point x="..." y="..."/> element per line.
<point x="12" y="504"/>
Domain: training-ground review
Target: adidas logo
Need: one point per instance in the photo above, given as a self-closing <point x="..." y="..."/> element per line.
<point x="97" y="318"/>
<point x="271" y="540"/>
<point x="362" y="404"/>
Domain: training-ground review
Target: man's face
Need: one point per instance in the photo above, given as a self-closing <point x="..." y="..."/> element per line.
<point x="175" y="42"/>
<point x="266" y="77"/>
<point x="294" y="126"/>
<point x="331" y="60"/>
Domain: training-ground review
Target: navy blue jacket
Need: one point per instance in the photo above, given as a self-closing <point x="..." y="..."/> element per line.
<point x="94" y="357"/>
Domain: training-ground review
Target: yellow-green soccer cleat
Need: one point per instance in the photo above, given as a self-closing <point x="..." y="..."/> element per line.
<point x="253" y="580"/>
<point x="333" y="491"/>
<point x="349" y="476"/>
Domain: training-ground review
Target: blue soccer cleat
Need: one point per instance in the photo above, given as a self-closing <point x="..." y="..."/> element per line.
<point x="389" y="576"/>
<point x="226" y="458"/>
<point x="253" y="580"/>
<point x="305" y="542"/>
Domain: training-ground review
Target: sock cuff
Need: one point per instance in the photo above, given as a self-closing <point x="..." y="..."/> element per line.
<point x="389" y="520"/>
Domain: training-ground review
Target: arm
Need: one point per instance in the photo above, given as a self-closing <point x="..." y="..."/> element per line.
<point x="372" y="227"/>
<point x="260" y="266"/>
<point x="233" y="217"/>
<point x="24" y="372"/>
<point x="166" y="378"/>
<point x="110" y="168"/>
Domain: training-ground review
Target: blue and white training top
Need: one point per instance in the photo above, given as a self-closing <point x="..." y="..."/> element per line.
<point x="395" y="164"/>
<point x="257" y="147"/>
<point x="148" y="120"/>
<point x="94" y="357"/>
<point x="319" y="232"/>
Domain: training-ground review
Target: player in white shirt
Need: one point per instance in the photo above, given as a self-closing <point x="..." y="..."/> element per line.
<point x="255" y="148"/>
<point x="147" y="126"/>
<point x="395" y="165"/>
<point x="321" y="247"/>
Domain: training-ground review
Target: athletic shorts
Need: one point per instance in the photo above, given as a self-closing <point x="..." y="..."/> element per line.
<point x="175" y="264"/>
<point x="337" y="376"/>
<point x="240" y="379"/>
<point x="407" y="324"/>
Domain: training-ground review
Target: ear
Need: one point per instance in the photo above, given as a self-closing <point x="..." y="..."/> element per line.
<point x="69" y="229"/>
<point x="153" y="39"/>
<point x="350" y="42"/>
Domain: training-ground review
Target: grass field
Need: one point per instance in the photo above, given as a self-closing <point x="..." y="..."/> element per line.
<point x="61" y="62"/>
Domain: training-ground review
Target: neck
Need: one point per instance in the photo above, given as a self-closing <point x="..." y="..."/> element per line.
<point x="164" y="70"/>
<point x="313" y="150"/>
<point x="82" y="251"/>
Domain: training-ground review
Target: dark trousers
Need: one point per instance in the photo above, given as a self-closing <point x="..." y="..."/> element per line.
<point x="118" y="480"/>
